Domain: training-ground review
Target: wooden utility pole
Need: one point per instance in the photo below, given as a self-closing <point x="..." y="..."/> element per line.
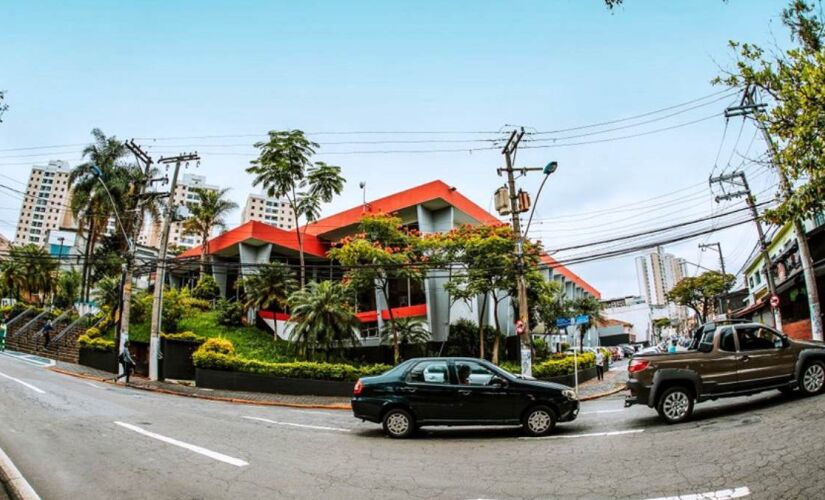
<point x="749" y="107"/>
<point x="738" y="179"/>
<point x="160" y="274"/>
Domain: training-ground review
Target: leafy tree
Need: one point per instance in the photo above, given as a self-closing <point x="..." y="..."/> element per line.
<point x="409" y="330"/>
<point x="108" y="258"/>
<point x="382" y="251"/>
<point x="271" y="285"/>
<point x="284" y="169"/>
<point x="29" y="272"/>
<point x="590" y="306"/>
<point x="659" y="324"/>
<point x="463" y="339"/>
<point x="68" y="289"/>
<point x="206" y="288"/>
<point x="698" y="292"/>
<point x="323" y="317"/>
<point x="206" y="216"/>
<point x="107" y="292"/>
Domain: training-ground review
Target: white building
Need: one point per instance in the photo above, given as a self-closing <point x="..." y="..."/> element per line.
<point x="636" y="311"/>
<point x="273" y="211"/>
<point x="183" y="196"/>
<point x="657" y="273"/>
<point x="46" y="203"/>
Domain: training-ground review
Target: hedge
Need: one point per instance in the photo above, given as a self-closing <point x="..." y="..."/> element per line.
<point x="97" y="343"/>
<point x="184" y="337"/>
<point x="555" y="367"/>
<point x="218" y="354"/>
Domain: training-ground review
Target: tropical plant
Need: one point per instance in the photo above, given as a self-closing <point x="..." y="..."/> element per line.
<point x="699" y="292"/>
<point x="230" y="312"/>
<point x="586" y="305"/>
<point x="206" y="288"/>
<point x="107" y="292"/>
<point x="205" y="216"/>
<point x="463" y="339"/>
<point x="68" y="289"/>
<point x="271" y="285"/>
<point x="284" y="169"/>
<point x="410" y="331"/>
<point x="29" y="273"/>
<point x="323" y="317"/>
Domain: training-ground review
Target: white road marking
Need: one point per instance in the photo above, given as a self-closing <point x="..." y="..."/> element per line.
<point x="305" y="426"/>
<point x="740" y="492"/>
<point x="191" y="447"/>
<point x="600" y="411"/>
<point x="592" y="434"/>
<point x="94" y="385"/>
<point x="35" y="389"/>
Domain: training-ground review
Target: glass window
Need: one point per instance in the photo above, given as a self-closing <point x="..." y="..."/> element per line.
<point x="757" y="339"/>
<point x="472" y="373"/>
<point x="430" y="372"/>
<point x="726" y="341"/>
<point x="707" y="337"/>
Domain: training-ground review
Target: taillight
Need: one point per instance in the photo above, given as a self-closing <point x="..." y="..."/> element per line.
<point x="637" y="365"/>
<point x="358" y="387"/>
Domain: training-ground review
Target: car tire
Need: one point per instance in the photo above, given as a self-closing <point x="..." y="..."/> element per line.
<point x="399" y="423"/>
<point x="812" y="378"/>
<point x="675" y="405"/>
<point x="539" y="421"/>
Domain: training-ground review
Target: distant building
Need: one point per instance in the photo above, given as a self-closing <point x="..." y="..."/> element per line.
<point x="273" y="211"/>
<point x="46" y="203"/>
<point x="634" y="310"/>
<point x="657" y="273"/>
<point x="183" y="196"/>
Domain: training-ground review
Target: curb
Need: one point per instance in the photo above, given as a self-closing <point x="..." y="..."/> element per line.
<point x="304" y="406"/>
<point x="14" y="482"/>
<point x="604" y="394"/>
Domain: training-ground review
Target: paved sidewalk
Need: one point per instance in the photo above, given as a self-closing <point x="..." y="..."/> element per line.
<point x="614" y="382"/>
<point x="323" y="402"/>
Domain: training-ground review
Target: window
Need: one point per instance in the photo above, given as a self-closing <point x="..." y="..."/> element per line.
<point x="472" y="373"/>
<point x="758" y="338"/>
<point x="430" y="372"/>
<point x="707" y="337"/>
<point x="726" y="341"/>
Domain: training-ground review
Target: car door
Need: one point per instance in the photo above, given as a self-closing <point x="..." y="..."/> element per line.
<point x="764" y="359"/>
<point x="429" y="390"/>
<point x="718" y="360"/>
<point x="482" y="398"/>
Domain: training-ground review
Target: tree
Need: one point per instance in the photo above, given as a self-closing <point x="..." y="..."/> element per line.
<point x="659" y="324"/>
<point x="382" y="251"/>
<point x="29" y="273"/>
<point x="409" y="330"/>
<point x="68" y="289"/>
<point x="206" y="288"/>
<point x="793" y="120"/>
<point x="271" y="285"/>
<point x="323" y="317"/>
<point x="699" y="292"/>
<point x="284" y="169"/>
<point x="107" y="293"/>
<point x="206" y="216"/>
<point x="586" y="305"/>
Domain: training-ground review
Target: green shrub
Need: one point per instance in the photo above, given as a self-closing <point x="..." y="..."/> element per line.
<point x="510" y="366"/>
<point x="230" y="312"/>
<point x="555" y="367"/>
<point x="97" y="344"/>
<point x="141" y="310"/>
<point x="199" y="304"/>
<point x="218" y="346"/>
<point x="541" y="349"/>
<point x="184" y="337"/>
<point x="93" y="333"/>
<point x="564" y="346"/>
<point x="206" y="288"/>
<point x="174" y="308"/>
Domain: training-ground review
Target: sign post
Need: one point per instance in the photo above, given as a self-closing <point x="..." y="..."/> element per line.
<point x="526" y="352"/>
<point x="581" y="319"/>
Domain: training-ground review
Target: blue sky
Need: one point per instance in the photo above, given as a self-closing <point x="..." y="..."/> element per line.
<point x="160" y="69"/>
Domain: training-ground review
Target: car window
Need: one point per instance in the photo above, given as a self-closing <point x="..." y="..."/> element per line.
<point x="707" y="337"/>
<point x="757" y="338"/>
<point x="726" y="341"/>
<point x="473" y="373"/>
<point x="429" y="372"/>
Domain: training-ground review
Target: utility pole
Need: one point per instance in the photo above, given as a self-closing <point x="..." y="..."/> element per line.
<point x="509" y="152"/>
<point x="160" y="274"/>
<point x="738" y="179"/>
<point x="749" y="107"/>
<point x="718" y="247"/>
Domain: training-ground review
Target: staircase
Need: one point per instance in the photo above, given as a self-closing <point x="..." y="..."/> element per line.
<point x="24" y="333"/>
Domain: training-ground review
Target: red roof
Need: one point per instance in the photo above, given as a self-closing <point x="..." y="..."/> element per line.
<point x="570" y="275"/>
<point x="254" y="230"/>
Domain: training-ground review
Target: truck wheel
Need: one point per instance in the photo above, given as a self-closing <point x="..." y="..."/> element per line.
<point x="398" y="423"/>
<point x="539" y="421"/>
<point x="675" y="405"/>
<point x="812" y="378"/>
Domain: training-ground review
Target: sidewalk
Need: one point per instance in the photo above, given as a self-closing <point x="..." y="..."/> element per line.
<point x="317" y="402"/>
<point x="613" y="383"/>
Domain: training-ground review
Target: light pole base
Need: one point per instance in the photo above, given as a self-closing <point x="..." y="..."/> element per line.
<point x="154" y="348"/>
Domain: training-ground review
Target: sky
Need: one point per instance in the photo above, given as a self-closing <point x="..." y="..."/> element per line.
<point x="215" y="76"/>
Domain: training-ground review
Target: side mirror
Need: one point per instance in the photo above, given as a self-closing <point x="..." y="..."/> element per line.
<point x="785" y="341"/>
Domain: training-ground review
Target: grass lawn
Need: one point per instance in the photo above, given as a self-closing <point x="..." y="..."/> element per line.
<point x="250" y="342"/>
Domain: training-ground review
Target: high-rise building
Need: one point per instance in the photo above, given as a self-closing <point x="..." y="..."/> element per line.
<point x="273" y="211"/>
<point x="183" y="196"/>
<point x="46" y="203"/>
<point x="657" y="273"/>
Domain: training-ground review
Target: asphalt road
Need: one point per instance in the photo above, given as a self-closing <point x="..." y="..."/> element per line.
<point x="72" y="438"/>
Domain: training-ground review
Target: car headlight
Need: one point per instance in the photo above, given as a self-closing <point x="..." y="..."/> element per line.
<point x="569" y="394"/>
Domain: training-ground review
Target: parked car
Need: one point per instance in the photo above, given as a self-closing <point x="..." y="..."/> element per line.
<point x="615" y="353"/>
<point x="726" y="359"/>
<point x="628" y="350"/>
<point x="460" y="391"/>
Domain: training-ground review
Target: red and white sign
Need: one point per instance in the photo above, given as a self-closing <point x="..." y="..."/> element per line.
<point x="519" y="327"/>
<point x="774" y="301"/>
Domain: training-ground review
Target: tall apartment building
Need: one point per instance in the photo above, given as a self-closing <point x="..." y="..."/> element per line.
<point x="657" y="273"/>
<point x="46" y="203"/>
<point x="183" y="196"/>
<point x="273" y="211"/>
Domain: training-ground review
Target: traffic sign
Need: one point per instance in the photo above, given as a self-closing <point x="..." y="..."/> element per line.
<point x="774" y="301"/>
<point x="519" y="327"/>
<point x="582" y="319"/>
<point x="562" y="322"/>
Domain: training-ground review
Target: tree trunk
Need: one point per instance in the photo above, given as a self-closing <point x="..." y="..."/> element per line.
<point x="396" y="349"/>
<point x="481" y="327"/>
<point x="302" y="270"/>
<point x="204" y="252"/>
<point x="85" y="268"/>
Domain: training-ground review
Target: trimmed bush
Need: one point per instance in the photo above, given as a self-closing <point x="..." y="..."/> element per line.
<point x="218" y="346"/>
<point x="93" y="333"/>
<point x="556" y="367"/>
<point x="206" y="288"/>
<point x="184" y="337"/>
<point x="195" y="303"/>
<point x="97" y="344"/>
<point x="230" y="312"/>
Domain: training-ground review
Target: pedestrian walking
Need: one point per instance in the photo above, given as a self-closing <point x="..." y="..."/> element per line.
<point x="126" y="361"/>
<point x="47" y="334"/>
<point x="599" y="364"/>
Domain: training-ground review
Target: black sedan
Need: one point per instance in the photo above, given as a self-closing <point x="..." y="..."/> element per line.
<point x="460" y="391"/>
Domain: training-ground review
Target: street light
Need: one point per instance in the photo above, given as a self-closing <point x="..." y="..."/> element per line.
<point x="548" y="169"/>
<point x="99" y="174"/>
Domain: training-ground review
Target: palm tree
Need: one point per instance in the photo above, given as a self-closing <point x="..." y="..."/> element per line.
<point x="410" y="331"/>
<point x="206" y="216"/>
<point x="107" y="292"/>
<point x="29" y="272"/>
<point x="12" y="276"/>
<point x="271" y="285"/>
<point x="323" y="317"/>
<point x="284" y="169"/>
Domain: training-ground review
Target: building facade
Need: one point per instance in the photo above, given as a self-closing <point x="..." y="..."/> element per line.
<point x="273" y="211"/>
<point x="45" y="206"/>
<point x="657" y="273"/>
<point x="184" y="196"/>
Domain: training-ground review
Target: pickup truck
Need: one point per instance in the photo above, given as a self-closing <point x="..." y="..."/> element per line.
<point x="725" y="359"/>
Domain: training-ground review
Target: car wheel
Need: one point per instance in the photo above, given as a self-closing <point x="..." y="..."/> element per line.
<point x="812" y="378"/>
<point x="675" y="405"/>
<point x="399" y="423"/>
<point x="539" y="421"/>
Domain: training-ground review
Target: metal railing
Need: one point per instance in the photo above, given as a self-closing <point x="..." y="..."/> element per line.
<point x="30" y="323"/>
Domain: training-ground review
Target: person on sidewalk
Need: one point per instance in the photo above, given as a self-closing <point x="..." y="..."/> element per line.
<point x="47" y="334"/>
<point x="599" y="364"/>
<point x="126" y="361"/>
